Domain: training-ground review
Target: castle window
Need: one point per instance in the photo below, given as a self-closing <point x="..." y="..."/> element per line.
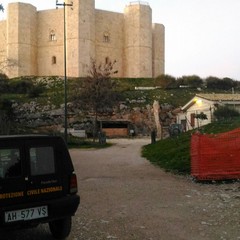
<point x="52" y="36"/>
<point x="54" y="60"/>
<point x="106" y="37"/>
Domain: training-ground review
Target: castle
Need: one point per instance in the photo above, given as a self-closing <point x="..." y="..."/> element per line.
<point x="35" y="40"/>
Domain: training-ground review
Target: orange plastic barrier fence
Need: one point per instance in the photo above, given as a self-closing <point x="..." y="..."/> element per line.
<point x="216" y="156"/>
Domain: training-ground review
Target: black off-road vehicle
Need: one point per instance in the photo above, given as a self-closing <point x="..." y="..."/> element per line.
<point x="37" y="183"/>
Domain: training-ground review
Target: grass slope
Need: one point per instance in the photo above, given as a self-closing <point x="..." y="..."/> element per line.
<point x="173" y="154"/>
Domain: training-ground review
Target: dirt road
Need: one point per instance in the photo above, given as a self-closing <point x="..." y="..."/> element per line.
<point x="124" y="197"/>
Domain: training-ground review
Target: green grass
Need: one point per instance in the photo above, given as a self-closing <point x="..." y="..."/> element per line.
<point x="173" y="154"/>
<point x="74" y="142"/>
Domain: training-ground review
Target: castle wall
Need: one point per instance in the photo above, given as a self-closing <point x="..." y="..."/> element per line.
<point x="3" y="41"/>
<point x="138" y="41"/>
<point x="35" y="40"/>
<point x="21" y="39"/>
<point x="158" y="49"/>
<point x="80" y="36"/>
<point x="109" y="39"/>
<point x="50" y="43"/>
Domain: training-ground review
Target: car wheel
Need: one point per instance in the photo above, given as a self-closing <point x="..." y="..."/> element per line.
<point x="60" y="229"/>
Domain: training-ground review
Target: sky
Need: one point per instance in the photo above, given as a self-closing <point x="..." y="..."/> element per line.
<point x="202" y="37"/>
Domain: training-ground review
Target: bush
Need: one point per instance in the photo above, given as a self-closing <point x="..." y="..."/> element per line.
<point x="225" y="112"/>
<point x="35" y="91"/>
<point x="165" y="81"/>
<point x="20" y="87"/>
<point x="221" y="84"/>
<point x="193" y="81"/>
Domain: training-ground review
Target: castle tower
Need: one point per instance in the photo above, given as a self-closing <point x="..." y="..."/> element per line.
<point x="158" y="50"/>
<point x="22" y="39"/>
<point x="138" y="41"/>
<point x="80" y="21"/>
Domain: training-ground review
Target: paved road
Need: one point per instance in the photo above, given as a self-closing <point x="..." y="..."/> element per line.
<point x="124" y="197"/>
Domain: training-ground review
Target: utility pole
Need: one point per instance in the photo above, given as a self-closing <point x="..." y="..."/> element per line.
<point x="65" y="68"/>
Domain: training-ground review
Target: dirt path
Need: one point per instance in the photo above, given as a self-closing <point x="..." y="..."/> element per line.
<point x="124" y="197"/>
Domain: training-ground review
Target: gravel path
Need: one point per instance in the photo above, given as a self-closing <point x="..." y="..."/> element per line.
<point x="125" y="197"/>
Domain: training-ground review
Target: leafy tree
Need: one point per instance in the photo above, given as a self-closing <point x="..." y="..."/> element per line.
<point x="97" y="94"/>
<point x="192" y="81"/>
<point x="212" y="82"/>
<point x="225" y="112"/>
<point x="6" y="116"/>
<point x="201" y="116"/>
<point x="222" y="84"/>
<point x="165" y="81"/>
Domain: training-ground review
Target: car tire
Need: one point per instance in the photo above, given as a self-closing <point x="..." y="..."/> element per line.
<point x="60" y="229"/>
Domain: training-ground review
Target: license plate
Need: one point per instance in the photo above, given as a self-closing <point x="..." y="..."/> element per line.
<point x="26" y="214"/>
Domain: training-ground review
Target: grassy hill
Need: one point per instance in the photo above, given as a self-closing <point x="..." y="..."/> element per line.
<point x="47" y="90"/>
<point x="173" y="154"/>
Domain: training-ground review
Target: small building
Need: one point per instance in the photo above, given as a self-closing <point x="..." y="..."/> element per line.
<point x="206" y="104"/>
<point x="116" y="128"/>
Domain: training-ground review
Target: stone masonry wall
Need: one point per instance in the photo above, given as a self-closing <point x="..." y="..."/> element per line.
<point x="110" y="39"/>
<point x="35" y="40"/>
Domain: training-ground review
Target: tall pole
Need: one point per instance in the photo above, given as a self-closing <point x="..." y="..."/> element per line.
<point x="65" y="68"/>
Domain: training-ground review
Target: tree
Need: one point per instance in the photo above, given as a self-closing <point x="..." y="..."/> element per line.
<point x="97" y="94"/>
<point x="222" y="84"/>
<point x="6" y="63"/>
<point x="192" y="81"/>
<point x="225" y="112"/>
<point x="6" y="116"/>
<point x="165" y="81"/>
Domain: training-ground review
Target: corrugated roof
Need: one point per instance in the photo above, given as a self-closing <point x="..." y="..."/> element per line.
<point x="219" y="97"/>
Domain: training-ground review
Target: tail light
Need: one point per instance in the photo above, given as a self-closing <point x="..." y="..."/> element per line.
<point x="73" y="184"/>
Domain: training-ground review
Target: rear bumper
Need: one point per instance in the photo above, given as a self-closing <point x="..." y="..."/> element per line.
<point x="57" y="209"/>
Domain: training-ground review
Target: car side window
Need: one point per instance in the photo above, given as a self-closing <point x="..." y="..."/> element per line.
<point x="42" y="161"/>
<point x="10" y="163"/>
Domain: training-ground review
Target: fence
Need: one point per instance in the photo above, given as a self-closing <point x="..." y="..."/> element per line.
<point x="216" y="156"/>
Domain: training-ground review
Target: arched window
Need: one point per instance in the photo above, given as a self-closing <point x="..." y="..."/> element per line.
<point x="52" y="36"/>
<point x="106" y="37"/>
<point x="54" y="60"/>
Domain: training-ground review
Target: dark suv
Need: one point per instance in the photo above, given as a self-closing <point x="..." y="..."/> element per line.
<point x="37" y="183"/>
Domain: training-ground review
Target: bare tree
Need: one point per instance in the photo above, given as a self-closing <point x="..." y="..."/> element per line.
<point x="5" y="62"/>
<point x="97" y="94"/>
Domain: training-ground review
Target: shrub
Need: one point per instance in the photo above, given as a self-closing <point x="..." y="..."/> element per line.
<point x="20" y="87"/>
<point x="35" y="91"/>
<point x="222" y="84"/>
<point x="225" y="112"/>
<point x="193" y="81"/>
<point x="165" y="81"/>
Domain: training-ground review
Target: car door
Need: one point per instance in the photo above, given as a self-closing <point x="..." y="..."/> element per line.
<point x="12" y="173"/>
<point x="44" y="179"/>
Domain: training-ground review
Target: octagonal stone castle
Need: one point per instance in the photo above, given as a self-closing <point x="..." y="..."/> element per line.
<point x="35" y="40"/>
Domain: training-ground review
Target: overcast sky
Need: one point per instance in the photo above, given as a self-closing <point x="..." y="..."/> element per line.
<point x="202" y="36"/>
